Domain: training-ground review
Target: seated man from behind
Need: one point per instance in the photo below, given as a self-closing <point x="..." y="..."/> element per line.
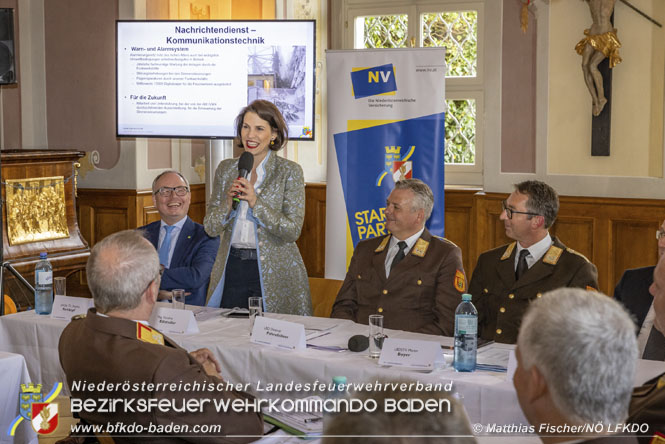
<point x="113" y="344"/>
<point x="446" y="424"/>
<point x="507" y="278"/>
<point x="185" y="250"/>
<point x="576" y="359"/>
<point x="633" y="292"/>
<point x="412" y="278"/>
<point x="648" y="402"/>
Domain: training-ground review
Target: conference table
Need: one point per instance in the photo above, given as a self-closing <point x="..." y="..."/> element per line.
<point x="14" y="373"/>
<point x="488" y="397"/>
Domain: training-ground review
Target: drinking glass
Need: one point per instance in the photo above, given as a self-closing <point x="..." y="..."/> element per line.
<point x="375" y="335"/>
<point x="255" y="309"/>
<point x="178" y="298"/>
<point x="60" y="286"/>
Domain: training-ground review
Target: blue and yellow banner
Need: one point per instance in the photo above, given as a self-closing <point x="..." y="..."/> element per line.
<point x="386" y="112"/>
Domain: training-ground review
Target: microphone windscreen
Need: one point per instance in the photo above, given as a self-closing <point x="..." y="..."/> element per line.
<point x="246" y="162"/>
<point x="358" y="343"/>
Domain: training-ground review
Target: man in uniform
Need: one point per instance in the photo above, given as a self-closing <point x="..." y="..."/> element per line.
<point x="507" y="278"/>
<point x="412" y="278"/>
<point x="113" y="353"/>
<point x="633" y="292"/>
<point x="648" y="402"/>
<point x="576" y="359"/>
<point x="185" y="249"/>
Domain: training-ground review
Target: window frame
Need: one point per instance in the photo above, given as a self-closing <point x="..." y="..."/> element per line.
<point x="456" y="87"/>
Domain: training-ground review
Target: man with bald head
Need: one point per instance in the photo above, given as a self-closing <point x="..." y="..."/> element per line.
<point x="114" y="346"/>
<point x="185" y="249"/>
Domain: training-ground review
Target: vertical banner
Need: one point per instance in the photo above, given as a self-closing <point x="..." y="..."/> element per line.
<point x="386" y="113"/>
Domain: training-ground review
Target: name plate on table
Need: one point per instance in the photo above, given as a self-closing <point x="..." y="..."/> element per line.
<point x="172" y="320"/>
<point x="420" y="355"/>
<point x="282" y="334"/>
<point x="66" y="307"/>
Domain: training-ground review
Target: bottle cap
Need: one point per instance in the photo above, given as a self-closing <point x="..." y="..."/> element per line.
<point x="339" y="380"/>
<point x="466" y="297"/>
<point x="42" y="255"/>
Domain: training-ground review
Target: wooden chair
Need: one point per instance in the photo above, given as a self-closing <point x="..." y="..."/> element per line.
<point x="324" y="292"/>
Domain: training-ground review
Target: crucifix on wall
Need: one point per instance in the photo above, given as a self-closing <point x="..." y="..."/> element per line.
<point x="600" y="52"/>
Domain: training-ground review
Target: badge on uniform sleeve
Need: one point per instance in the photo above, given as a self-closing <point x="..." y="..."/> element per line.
<point x="147" y="334"/>
<point x="460" y="281"/>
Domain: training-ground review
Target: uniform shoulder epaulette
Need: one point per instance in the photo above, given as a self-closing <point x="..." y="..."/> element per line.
<point x="420" y="248"/>
<point x="445" y="239"/>
<point x="382" y="246"/>
<point x="570" y="250"/>
<point x="552" y="255"/>
<point x="78" y="317"/>
<point x="509" y="251"/>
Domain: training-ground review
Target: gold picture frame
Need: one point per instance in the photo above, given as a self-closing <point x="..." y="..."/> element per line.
<point x="36" y="209"/>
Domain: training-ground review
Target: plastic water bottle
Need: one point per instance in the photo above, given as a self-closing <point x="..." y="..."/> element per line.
<point x="466" y="335"/>
<point x="43" y="286"/>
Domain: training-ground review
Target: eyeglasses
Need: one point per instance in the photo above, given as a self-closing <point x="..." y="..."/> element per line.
<point x="660" y="233"/>
<point x="168" y="191"/>
<point x="510" y="212"/>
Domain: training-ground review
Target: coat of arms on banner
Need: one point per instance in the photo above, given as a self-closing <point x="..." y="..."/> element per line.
<point x="29" y="394"/>
<point x="402" y="170"/>
<point x="44" y="417"/>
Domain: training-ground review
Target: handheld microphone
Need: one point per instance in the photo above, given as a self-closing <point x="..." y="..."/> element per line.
<point x="358" y="343"/>
<point x="245" y="164"/>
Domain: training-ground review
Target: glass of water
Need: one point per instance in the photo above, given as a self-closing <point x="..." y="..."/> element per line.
<point x="178" y="299"/>
<point x="255" y="309"/>
<point x="375" y="335"/>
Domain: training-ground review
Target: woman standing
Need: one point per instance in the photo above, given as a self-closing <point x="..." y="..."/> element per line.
<point x="258" y="255"/>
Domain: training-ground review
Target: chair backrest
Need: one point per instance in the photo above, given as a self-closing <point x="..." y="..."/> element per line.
<point x="324" y="292"/>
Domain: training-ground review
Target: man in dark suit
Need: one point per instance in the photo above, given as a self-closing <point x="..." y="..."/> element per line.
<point x="412" y="278"/>
<point x="507" y="278"/>
<point x="633" y="292"/>
<point x="185" y="250"/>
<point x="113" y="355"/>
<point x="648" y="401"/>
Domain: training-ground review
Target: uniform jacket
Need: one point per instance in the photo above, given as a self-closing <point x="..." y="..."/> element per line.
<point x="192" y="260"/>
<point x="420" y="294"/>
<point x="648" y="406"/>
<point x="279" y="214"/>
<point x="633" y="292"/>
<point x="501" y="301"/>
<point x="99" y="349"/>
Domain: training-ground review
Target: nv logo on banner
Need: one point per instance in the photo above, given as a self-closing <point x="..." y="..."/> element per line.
<point x="373" y="81"/>
<point x="36" y="408"/>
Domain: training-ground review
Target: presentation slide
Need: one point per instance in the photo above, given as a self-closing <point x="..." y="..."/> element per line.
<point x="190" y="79"/>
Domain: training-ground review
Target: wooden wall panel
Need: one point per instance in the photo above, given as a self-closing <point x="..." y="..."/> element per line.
<point x="615" y="234"/>
<point x="312" y="241"/>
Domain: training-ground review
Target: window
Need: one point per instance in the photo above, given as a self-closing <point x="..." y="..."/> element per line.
<point x="458" y="27"/>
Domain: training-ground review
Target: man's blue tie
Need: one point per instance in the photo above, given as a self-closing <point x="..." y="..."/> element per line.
<point x="166" y="246"/>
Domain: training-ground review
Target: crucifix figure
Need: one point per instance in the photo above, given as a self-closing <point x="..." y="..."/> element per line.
<point x="600" y="42"/>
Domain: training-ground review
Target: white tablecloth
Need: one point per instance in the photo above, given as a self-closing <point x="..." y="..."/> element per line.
<point x="488" y="397"/>
<point x="14" y="373"/>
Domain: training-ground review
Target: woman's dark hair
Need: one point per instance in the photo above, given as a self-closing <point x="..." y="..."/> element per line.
<point x="268" y="112"/>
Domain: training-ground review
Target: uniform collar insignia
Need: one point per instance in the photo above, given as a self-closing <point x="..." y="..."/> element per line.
<point x="420" y="248"/>
<point x="147" y="334"/>
<point x="509" y="251"/>
<point x="553" y="254"/>
<point x="382" y="245"/>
